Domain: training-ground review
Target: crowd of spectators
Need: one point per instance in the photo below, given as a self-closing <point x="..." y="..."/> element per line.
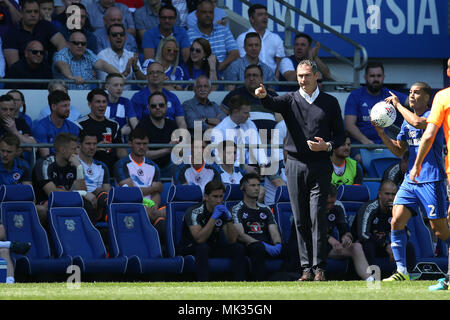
<point x="158" y="41"/>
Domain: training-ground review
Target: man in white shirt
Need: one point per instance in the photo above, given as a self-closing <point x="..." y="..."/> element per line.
<point x="239" y="128"/>
<point x="125" y="61"/>
<point x="272" y="50"/>
<point x="303" y="49"/>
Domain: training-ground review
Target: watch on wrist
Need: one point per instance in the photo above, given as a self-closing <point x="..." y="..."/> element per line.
<point x="330" y="147"/>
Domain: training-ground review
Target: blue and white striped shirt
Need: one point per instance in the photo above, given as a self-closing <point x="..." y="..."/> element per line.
<point x="221" y="40"/>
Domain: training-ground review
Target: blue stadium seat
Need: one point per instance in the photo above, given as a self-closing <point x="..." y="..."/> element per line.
<point x="164" y="194"/>
<point x="373" y="188"/>
<point x="133" y="236"/>
<point x="420" y="237"/>
<point x="352" y="197"/>
<point x="179" y="199"/>
<point x="285" y="220"/>
<point x="75" y="236"/>
<point x="283" y="212"/>
<point x="375" y="161"/>
<point x="21" y="222"/>
<point x="233" y="195"/>
<point x="442" y="248"/>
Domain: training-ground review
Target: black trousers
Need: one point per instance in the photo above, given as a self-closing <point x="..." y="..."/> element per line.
<point x="308" y="186"/>
<point x="257" y="254"/>
<point x="204" y="251"/>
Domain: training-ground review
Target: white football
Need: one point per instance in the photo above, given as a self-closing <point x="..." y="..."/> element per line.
<point x="383" y="114"/>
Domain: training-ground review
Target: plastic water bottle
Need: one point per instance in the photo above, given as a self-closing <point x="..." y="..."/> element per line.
<point x="148" y="202"/>
<point x="3" y="266"/>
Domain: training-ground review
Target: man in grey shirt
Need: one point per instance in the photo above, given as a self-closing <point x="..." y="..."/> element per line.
<point x="200" y="108"/>
<point x="97" y="8"/>
<point x="112" y="16"/>
<point x="252" y="47"/>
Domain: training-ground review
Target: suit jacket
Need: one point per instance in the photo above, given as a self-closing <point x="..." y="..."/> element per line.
<point x="304" y="121"/>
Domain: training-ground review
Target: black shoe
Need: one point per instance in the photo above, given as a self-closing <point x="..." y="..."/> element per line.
<point x="20" y="247"/>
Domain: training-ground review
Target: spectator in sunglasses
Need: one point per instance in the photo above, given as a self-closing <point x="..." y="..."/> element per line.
<point x="78" y="63"/>
<point x="33" y="65"/>
<point x="167" y="56"/>
<point x="31" y="28"/>
<point x="112" y="16"/>
<point x="125" y="61"/>
<point x="202" y="61"/>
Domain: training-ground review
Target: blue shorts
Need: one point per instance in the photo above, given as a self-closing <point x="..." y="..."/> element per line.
<point x="429" y="198"/>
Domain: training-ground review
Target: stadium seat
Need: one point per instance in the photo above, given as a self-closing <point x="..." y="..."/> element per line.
<point x="233" y="195"/>
<point x="376" y="161"/>
<point x="21" y="222"/>
<point x="285" y="220"/>
<point x="133" y="236"/>
<point x="441" y="248"/>
<point x="373" y="188"/>
<point x="180" y="198"/>
<point x="164" y="194"/>
<point x="420" y="237"/>
<point x="75" y="236"/>
<point x="352" y="197"/>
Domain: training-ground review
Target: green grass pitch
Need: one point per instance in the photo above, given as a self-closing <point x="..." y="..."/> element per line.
<point x="329" y="290"/>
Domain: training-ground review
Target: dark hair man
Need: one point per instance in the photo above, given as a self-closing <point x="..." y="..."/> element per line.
<point x="256" y="227"/>
<point x="203" y="226"/>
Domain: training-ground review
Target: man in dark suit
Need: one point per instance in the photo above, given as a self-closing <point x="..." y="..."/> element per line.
<point x="315" y="127"/>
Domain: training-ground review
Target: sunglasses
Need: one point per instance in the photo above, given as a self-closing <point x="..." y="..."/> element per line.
<point x="36" y="52"/>
<point x="196" y="50"/>
<point x="152" y="73"/>
<point x="115" y="34"/>
<point x="79" y="43"/>
<point x="156" y="105"/>
<point x="167" y="17"/>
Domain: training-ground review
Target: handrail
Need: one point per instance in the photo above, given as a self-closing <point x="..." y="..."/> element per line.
<point x="358" y="62"/>
<point x="34" y="146"/>
<point x="188" y="82"/>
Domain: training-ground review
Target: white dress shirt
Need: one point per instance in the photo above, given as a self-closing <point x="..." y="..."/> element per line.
<point x="242" y="134"/>
<point x="119" y="63"/>
<point x="271" y="47"/>
<point x="310" y="98"/>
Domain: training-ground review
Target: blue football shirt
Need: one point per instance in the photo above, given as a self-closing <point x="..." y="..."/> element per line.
<point x="120" y="111"/>
<point x="359" y="104"/>
<point x="45" y="131"/>
<point x="140" y="101"/>
<point x="432" y="166"/>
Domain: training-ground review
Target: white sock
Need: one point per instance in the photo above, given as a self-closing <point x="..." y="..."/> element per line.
<point x="5" y="244"/>
<point x="10" y="280"/>
<point x="402" y="270"/>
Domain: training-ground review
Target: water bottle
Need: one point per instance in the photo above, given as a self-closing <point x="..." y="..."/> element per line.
<point x="3" y="266"/>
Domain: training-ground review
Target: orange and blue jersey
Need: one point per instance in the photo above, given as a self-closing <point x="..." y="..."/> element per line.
<point x="440" y="116"/>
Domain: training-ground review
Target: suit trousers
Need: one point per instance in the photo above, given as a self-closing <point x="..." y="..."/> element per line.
<point x="308" y="186"/>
